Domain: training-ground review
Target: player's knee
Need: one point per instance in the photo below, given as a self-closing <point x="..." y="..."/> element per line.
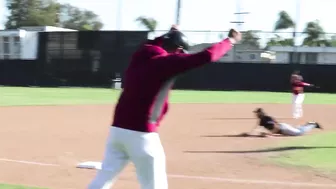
<point x="299" y="133"/>
<point x="149" y="154"/>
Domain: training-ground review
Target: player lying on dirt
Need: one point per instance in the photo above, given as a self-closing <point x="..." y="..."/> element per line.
<point x="273" y="127"/>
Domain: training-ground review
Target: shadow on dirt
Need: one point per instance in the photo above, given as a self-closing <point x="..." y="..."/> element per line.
<point x="241" y="118"/>
<point x="279" y="149"/>
<point x="239" y="136"/>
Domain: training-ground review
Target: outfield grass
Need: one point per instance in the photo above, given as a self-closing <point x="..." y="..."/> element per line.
<point x="22" y="96"/>
<point x="320" y="152"/>
<point x="5" y="186"/>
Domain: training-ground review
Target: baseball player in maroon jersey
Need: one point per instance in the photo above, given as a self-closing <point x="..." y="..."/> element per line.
<point x="298" y="93"/>
<point x="143" y="103"/>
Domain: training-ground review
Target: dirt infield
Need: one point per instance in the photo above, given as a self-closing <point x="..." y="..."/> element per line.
<point x="40" y="146"/>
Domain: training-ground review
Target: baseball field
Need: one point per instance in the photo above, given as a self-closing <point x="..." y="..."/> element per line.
<point x="46" y="132"/>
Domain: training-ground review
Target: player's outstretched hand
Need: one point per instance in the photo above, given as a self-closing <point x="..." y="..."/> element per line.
<point x="264" y="134"/>
<point x="244" y="134"/>
<point x="316" y="87"/>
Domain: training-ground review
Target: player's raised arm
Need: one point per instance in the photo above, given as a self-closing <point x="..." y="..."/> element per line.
<point x="172" y="63"/>
<point x="298" y="85"/>
<point x="297" y="80"/>
<point x="302" y="84"/>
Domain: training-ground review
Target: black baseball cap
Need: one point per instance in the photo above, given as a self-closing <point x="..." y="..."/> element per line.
<point x="175" y="39"/>
<point x="258" y="110"/>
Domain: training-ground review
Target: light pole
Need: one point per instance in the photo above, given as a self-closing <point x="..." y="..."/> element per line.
<point x="240" y="19"/>
<point x="295" y="59"/>
<point x="119" y="15"/>
<point x="178" y="11"/>
<point x="239" y="22"/>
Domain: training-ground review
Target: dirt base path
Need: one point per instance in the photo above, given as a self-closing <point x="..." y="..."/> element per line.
<point x="200" y="152"/>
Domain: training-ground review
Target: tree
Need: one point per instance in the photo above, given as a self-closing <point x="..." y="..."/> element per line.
<point x="250" y="37"/>
<point x="315" y="35"/>
<point x="284" y="22"/>
<point x="279" y="41"/>
<point x="149" y="23"/>
<point x="31" y="13"/>
<point x="49" y="13"/>
<point x="75" y="18"/>
<point x="333" y="41"/>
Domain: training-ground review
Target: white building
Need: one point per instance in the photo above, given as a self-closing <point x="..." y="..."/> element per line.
<point x="45" y="29"/>
<point x="22" y="43"/>
<point x="305" y="55"/>
<point x="240" y="53"/>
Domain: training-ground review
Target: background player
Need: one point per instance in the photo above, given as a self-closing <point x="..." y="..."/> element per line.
<point x="273" y="127"/>
<point x="298" y="85"/>
<point x="143" y="103"/>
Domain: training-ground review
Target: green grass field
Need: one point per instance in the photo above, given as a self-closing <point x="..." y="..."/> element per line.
<point x="19" y="96"/>
<point x="320" y="152"/>
<point x="318" y="158"/>
<point x="6" y="186"/>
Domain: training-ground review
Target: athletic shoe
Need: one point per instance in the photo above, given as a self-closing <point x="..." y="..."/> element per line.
<point x="318" y="126"/>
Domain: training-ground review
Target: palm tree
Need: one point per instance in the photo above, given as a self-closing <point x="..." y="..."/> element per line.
<point x="284" y="22"/>
<point x="148" y="23"/>
<point x="315" y="35"/>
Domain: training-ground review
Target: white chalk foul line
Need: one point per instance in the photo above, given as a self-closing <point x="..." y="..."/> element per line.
<point x="218" y="179"/>
<point x="28" y="162"/>
<point x="246" y="181"/>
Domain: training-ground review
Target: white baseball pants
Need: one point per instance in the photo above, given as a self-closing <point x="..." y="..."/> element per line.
<point x="297" y="102"/>
<point x="143" y="149"/>
<point x="289" y="130"/>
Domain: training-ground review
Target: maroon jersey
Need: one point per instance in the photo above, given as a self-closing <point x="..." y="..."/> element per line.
<point x="298" y="84"/>
<point x="148" y="80"/>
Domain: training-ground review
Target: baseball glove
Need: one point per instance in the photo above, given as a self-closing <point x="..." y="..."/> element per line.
<point x="315" y="86"/>
<point x="263" y="134"/>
